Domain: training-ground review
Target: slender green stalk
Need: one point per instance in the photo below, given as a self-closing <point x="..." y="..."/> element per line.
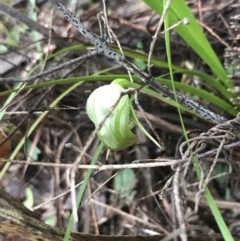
<point x="215" y="211"/>
<point x="34" y="125"/>
<point x="82" y="190"/>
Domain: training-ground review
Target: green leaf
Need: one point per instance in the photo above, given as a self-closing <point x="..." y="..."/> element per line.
<point x="219" y="169"/>
<point x="140" y="126"/>
<point x="51" y="220"/>
<point x="191" y="33"/>
<point x="36" y="151"/>
<point x="29" y="198"/>
<point x="124" y="183"/>
<point x="139" y="62"/>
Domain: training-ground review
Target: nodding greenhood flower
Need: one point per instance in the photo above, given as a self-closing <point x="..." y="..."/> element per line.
<point x="115" y="133"/>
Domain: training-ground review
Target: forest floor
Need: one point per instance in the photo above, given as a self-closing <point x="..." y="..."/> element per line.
<point x="130" y="203"/>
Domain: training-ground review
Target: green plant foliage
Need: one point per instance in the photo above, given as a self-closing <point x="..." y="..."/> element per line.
<point x="206" y="95"/>
<point x="219" y="169"/>
<point x="135" y="119"/>
<point x="29" y="201"/>
<point x="34" y="125"/>
<point x="82" y="191"/>
<point x="36" y="151"/>
<point x="124" y="184"/>
<point x="139" y="62"/>
<point x="215" y="211"/>
<point x="115" y="132"/>
<point x="51" y="220"/>
<point x="207" y="80"/>
<point x="192" y="34"/>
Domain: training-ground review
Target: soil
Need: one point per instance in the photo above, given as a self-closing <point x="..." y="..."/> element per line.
<point x="139" y="209"/>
